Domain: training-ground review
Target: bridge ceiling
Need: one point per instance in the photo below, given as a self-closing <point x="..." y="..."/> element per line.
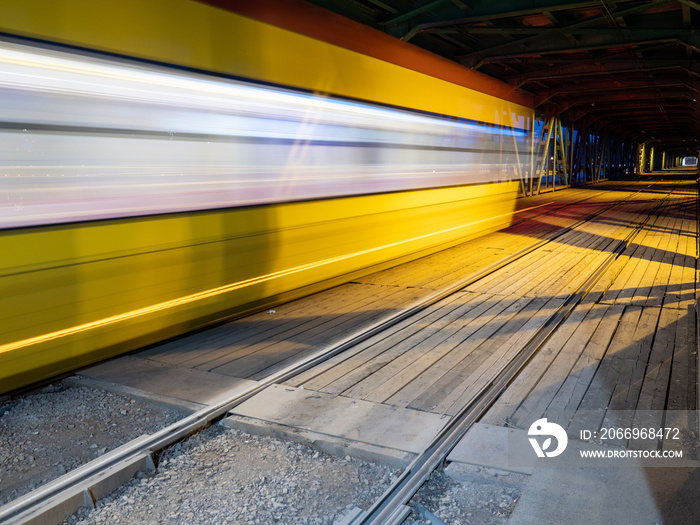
<point x="629" y="67"/>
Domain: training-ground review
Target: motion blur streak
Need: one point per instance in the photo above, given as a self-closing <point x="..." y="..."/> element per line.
<point x="84" y="139"/>
<point x="182" y="164"/>
<point x="212" y="293"/>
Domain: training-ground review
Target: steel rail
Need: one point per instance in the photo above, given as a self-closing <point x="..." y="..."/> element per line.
<point x="390" y="508"/>
<point x="17" y="510"/>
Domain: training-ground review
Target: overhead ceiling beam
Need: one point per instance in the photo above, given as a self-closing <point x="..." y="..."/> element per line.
<point x="622" y="99"/>
<point x="690" y="3"/>
<point x="613" y="86"/>
<point x="550" y="61"/>
<point x="686" y="15"/>
<point x="547" y="32"/>
<point x="478" y="56"/>
<point x="686" y="37"/>
<point x="551" y="49"/>
<point x="656" y="115"/>
<point x="414" y="12"/>
<point x="673" y="128"/>
<point x="605" y="66"/>
<point x="384" y="6"/>
<point x="629" y="72"/>
<point x="623" y="110"/>
<point x="485" y="10"/>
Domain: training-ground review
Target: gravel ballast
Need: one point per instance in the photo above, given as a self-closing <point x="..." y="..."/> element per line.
<point x="225" y="476"/>
<point x="475" y="496"/>
<point x="46" y="434"/>
<point x="218" y="475"/>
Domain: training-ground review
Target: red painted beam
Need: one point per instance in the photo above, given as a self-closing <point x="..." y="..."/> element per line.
<point x="321" y="24"/>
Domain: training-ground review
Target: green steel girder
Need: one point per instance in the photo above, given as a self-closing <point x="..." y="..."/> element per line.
<point x="414" y="12"/>
<point x="551" y="63"/>
<point x="601" y="85"/>
<point x="561" y="51"/>
<point x="661" y="131"/>
<point x="691" y="4"/>
<point x="621" y="110"/>
<point x="486" y="10"/>
<point x="662" y="134"/>
<point x="647" y="115"/>
<point x="548" y="32"/>
<point x="606" y="67"/>
<point x="622" y="99"/>
<point x="384" y="6"/>
<point x="604" y="88"/>
<point x="688" y="37"/>
<point x="477" y="58"/>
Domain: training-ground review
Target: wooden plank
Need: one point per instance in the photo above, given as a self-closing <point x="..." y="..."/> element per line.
<point x="598" y="259"/>
<point x="694" y="363"/>
<point x="681" y="278"/>
<point x="652" y="395"/>
<point x="498" y="360"/>
<point x="532" y="277"/>
<point x="429" y="387"/>
<point x="675" y="288"/>
<point x="196" y="351"/>
<point x="609" y="285"/>
<point x="631" y="257"/>
<point x="432" y="270"/>
<point x="682" y="385"/>
<point x="576" y="238"/>
<point x="659" y="285"/>
<point x="546" y="278"/>
<point x="577" y="350"/>
<point x="690" y="277"/>
<point x="445" y="265"/>
<point x="327" y="372"/>
<point x="239" y="331"/>
<point x="501" y="413"/>
<point x="581" y="266"/>
<point x="607" y="376"/>
<point x="521" y="275"/>
<point x="643" y="294"/>
<point x="584" y="375"/>
<point x="268" y="331"/>
<point x="262" y="359"/>
<point x="178" y="350"/>
<point x="633" y="356"/>
<point x="486" y="283"/>
<point x="621" y="267"/>
<point x="649" y="412"/>
<point x="667" y="222"/>
<point x="384" y="349"/>
<point x="528" y="263"/>
<point x="464" y="259"/>
<point x="417" y="333"/>
<point x="681" y="410"/>
<point x="468" y="333"/>
<point x="629" y="288"/>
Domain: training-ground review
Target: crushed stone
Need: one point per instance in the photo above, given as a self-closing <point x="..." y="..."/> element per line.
<point x="226" y="476"/>
<point x="46" y="434"/>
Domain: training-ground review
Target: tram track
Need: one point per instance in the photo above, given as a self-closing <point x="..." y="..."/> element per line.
<point x="391" y="508"/>
<point x="92" y="480"/>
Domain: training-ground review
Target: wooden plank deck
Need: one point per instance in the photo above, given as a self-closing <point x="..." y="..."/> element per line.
<point x="630" y="344"/>
<point x="444" y="369"/>
<point x="638" y="353"/>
